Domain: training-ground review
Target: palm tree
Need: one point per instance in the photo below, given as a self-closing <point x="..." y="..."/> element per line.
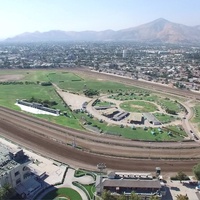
<point x="182" y="197"/>
<point x="5" y="191"/>
<point x="135" y="196"/>
<point x="154" y="198"/>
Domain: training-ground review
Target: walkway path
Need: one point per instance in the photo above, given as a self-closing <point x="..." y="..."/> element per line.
<point x="69" y="179"/>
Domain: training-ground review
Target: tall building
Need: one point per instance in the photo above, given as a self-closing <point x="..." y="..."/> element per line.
<point x="13" y="166"/>
<point x="124" y="53"/>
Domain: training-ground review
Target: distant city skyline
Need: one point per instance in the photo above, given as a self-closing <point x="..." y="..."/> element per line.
<point x="21" y="16"/>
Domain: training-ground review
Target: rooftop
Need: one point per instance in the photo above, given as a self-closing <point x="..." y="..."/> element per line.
<point x="132" y="183"/>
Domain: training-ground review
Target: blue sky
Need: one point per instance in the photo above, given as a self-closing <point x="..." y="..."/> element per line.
<point x="18" y="16"/>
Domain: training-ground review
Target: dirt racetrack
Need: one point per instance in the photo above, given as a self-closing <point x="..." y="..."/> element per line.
<point x="27" y="133"/>
<point x="86" y="160"/>
<point x="119" y="154"/>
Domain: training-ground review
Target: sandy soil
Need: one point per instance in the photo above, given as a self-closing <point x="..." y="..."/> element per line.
<point x="74" y="101"/>
<point x="11" y="77"/>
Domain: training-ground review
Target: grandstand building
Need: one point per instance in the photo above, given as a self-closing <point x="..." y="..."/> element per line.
<point x="125" y="183"/>
<point x="38" y="106"/>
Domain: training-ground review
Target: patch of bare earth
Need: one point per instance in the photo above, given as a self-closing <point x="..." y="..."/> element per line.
<point x="74" y="101"/>
<point x="11" y="77"/>
<point x="137" y="106"/>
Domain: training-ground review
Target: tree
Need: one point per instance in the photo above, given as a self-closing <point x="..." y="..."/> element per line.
<point x="135" y="196"/>
<point x="121" y="197"/>
<point x="106" y="195"/>
<point x="5" y="191"/>
<point x="155" y="197"/>
<point x="196" y="171"/>
<point x="182" y="197"/>
<point x="181" y="176"/>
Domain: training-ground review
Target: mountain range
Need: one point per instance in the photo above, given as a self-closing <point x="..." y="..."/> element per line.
<point x="159" y="31"/>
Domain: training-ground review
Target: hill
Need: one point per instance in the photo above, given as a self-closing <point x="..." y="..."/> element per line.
<point x="160" y="30"/>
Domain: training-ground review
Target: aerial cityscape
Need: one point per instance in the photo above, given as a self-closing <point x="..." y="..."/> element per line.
<point x="99" y="100"/>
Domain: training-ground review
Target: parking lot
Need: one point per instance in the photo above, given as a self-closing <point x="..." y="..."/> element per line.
<point x="175" y="188"/>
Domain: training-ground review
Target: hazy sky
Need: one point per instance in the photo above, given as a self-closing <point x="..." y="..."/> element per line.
<point x="18" y="16"/>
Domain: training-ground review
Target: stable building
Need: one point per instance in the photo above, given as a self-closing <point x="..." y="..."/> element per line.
<point x="137" y="118"/>
<point x="121" y="115"/>
<point x="152" y="119"/>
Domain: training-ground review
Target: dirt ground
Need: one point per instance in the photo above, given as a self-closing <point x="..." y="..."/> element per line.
<point x="74" y="101"/>
<point x="25" y="133"/>
<point x="11" y="77"/>
<point x="47" y="143"/>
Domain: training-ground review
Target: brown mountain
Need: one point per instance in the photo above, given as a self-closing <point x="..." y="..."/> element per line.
<point x="160" y="30"/>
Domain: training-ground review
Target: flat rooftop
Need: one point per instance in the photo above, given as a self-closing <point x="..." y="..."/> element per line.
<point x="132" y="183"/>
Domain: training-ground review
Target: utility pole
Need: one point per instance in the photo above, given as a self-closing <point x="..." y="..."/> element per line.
<point x="101" y="167"/>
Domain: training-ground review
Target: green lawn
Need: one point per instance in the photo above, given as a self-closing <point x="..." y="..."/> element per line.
<point x="127" y="132"/>
<point x="138" y="106"/>
<point x="170" y="104"/>
<point x="91" y="189"/>
<point x="164" y="118"/>
<point x="134" y="95"/>
<point x="196" y="118"/>
<point x="62" y="192"/>
<point x="72" y="82"/>
<point x="9" y="94"/>
<point x="79" y="173"/>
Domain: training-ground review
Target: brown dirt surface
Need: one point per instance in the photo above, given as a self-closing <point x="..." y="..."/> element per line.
<point x="11" y="77"/>
<point x="47" y="138"/>
<point x="34" y="136"/>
